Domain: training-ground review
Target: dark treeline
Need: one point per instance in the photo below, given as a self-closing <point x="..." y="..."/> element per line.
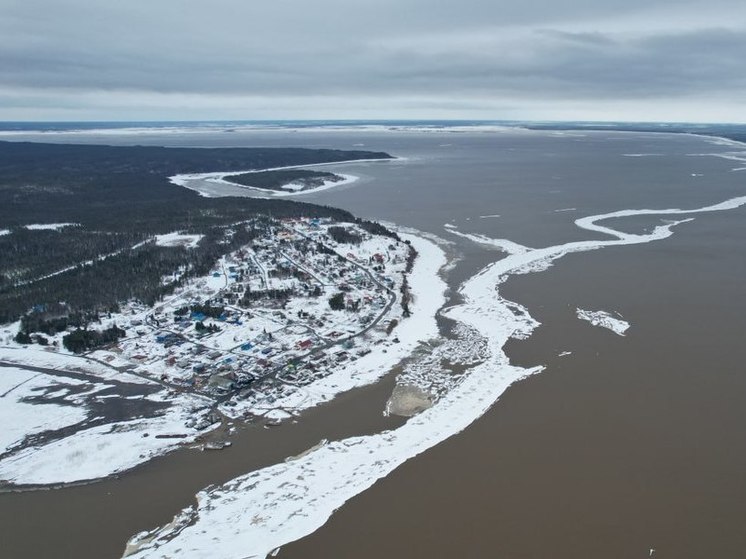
<point x="55" y="318"/>
<point x="250" y="296"/>
<point x="406" y="294"/>
<point x="344" y="235"/>
<point x="275" y="180"/>
<point x="375" y="228"/>
<point x="127" y="188"/>
<point x="81" y="340"/>
<point x="132" y="274"/>
<point x="27" y="255"/>
<point x="121" y="196"/>
<point x="212" y="311"/>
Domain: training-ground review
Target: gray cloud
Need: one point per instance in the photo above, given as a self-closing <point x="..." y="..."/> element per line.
<point x="235" y="54"/>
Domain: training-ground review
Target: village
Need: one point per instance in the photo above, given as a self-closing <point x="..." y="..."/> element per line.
<point x="302" y="298"/>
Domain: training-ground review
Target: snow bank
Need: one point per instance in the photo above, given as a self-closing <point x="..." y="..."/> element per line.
<point x="503" y="245"/>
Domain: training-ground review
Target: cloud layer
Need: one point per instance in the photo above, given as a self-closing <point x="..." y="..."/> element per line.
<point x="660" y="59"/>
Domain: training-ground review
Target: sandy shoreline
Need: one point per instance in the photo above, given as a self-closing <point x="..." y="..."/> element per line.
<point x="41" y="386"/>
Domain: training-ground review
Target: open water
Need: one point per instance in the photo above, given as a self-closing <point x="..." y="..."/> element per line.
<point x="626" y="444"/>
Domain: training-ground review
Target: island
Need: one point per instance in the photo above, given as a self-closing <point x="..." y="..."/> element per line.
<point x="295" y="180"/>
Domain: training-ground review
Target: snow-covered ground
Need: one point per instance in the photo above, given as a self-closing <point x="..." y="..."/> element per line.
<point x="178" y="239"/>
<point x="255" y="514"/>
<point x="41" y="358"/>
<point x="42" y="392"/>
<point x="428" y="290"/>
<point x="49" y="226"/>
<point x="21" y="419"/>
<point x="266" y="337"/>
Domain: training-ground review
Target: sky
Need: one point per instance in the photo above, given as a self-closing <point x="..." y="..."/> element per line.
<point x="635" y="60"/>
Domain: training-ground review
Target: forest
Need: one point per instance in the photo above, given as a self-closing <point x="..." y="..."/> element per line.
<point x="118" y="198"/>
<point x="275" y="180"/>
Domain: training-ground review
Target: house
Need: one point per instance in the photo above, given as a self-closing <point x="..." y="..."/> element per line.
<point x="220" y="383"/>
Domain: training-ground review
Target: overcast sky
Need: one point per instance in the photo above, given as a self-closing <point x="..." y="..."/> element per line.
<point x="682" y="60"/>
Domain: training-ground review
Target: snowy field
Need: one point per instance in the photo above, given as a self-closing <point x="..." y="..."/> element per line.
<point x="103" y="450"/>
<point x="21" y="419"/>
<point x="178" y="239"/>
<point x="58" y="428"/>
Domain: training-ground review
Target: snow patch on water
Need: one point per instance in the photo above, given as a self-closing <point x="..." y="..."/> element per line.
<point x="604" y="319"/>
<point x="503" y="245"/>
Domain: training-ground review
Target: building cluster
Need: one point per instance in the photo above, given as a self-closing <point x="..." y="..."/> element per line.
<point x="289" y="307"/>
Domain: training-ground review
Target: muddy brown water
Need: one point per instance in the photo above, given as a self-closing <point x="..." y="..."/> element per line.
<point x="94" y="521"/>
<point x="630" y="443"/>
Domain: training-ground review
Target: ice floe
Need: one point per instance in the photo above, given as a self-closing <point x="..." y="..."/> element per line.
<point x="503" y="245"/>
<point x="604" y="320"/>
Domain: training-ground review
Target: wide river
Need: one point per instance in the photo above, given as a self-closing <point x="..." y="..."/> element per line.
<point x="623" y="445"/>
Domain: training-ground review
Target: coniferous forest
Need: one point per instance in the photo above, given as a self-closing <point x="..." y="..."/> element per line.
<point x="118" y="198"/>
